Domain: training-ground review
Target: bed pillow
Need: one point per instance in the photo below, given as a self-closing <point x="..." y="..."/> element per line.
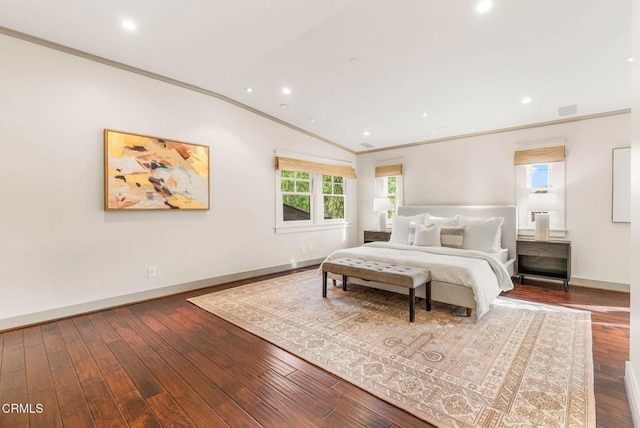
<point x="400" y="228"/>
<point x="444" y="221"/>
<point x="452" y="237"/>
<point x="427" y="236"/>
<point x="482" y="234"/>
<point x="412" y="232"/>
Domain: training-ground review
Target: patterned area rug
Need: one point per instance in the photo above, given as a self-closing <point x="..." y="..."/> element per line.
<point x="521" y="365"/>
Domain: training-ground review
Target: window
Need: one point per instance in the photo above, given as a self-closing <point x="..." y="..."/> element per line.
<point x="333" y="194"/>
<point x="540" y="187"/>
<point x="296" y="196"/>
<point x="311" y="194"/>
<point x="389" y="185"/>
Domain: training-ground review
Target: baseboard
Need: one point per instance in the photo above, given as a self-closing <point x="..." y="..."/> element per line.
<point x="633" y="394"/>
<point x="97" y="305"/>
<point x="588" y="283"/>
<point x="602" y="285"/>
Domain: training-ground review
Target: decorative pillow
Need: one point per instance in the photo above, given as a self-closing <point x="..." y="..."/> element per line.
<point x="444" y="221"/>
<point x="427" y="236"/>
<point x="452" y="236"/>
<point x="412" y="232"/>
<point x="400" y="228"/>
<point x="482" y="234"/>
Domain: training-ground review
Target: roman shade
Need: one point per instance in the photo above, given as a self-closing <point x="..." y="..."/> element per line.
<point x="389" y="170"/>
<point x="289" y="164"/>
<point x="542" y="155"/>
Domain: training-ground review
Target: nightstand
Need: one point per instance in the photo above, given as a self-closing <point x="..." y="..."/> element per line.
<point x="544" y="259"/>
<point x="376" y="235"/>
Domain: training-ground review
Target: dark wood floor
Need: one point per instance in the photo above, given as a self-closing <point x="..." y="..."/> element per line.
<point x="168" y="363"/>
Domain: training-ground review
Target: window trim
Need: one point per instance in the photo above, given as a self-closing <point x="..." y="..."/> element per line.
<point x="381" y="191"/>
<point x="557" y="184"/>
<point x="279" y="201"/>
<point x="321" y="167"/>
<point x="317" y="221"/>
<point x="321" y="195"/>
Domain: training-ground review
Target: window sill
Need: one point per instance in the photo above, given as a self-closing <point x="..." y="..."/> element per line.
<point x="311" y="227"/>
<point x="553" y="233"/>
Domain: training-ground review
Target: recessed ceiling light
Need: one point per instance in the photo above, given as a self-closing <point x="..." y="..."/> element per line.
<point x="425" y="114"/>
<point x="312" y="119"/>
<point x="354" y="60"/>
<point x="472" y="129"/>
<point x="441" y="128"/>
<point x="630" y="59"/>
<point x="248" y="90"/>
<point x="283" y="106"/>
<point x="366" y="133"/>
<point x="484" y="6"/>
<point x="526" y="100"/>
<point x="286" y="90"/>
<point x="129" y="25"/>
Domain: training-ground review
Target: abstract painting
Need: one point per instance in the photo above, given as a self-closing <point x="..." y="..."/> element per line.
<point x="149" y="173"/>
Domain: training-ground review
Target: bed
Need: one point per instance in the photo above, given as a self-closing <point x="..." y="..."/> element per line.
<point x="460" y="276"/>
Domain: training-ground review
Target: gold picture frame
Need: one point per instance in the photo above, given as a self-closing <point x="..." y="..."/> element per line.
<point x="151" y="173"/>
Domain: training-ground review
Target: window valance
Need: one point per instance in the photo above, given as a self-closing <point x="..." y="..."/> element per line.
<point x="541" y="155"/>
<point x="389" y="170"/>
<point x="289" y="164"/>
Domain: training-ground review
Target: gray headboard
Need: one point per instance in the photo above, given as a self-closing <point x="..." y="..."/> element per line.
<point x="509" y="212"/>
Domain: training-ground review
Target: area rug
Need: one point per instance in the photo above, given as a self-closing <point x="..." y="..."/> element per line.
<point x="521" y="365"/>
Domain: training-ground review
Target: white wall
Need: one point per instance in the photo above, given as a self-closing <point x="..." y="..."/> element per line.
<point x="59" y="248"/>
<point x="479" y="171"/>
<point x="632" y="373"/>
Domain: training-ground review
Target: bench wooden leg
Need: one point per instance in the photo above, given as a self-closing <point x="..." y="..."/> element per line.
<point x="469" y="310"/>
<point x="428" y="299"/>
<point x="344" y="282"/>
<point x="412" y="304"/>
<point x="324" y="284"/>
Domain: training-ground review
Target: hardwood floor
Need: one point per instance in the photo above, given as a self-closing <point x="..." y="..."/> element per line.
<point x="166" y="362"/>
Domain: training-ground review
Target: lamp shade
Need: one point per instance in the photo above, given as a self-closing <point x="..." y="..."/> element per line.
<point x="382" y="204"/>
<point x="544" y="202"/>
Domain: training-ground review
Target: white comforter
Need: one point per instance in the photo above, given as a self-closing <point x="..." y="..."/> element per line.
<point x="485" y="275"/>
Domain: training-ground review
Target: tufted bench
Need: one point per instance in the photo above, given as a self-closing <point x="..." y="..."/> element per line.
<point x="387" y="273"/>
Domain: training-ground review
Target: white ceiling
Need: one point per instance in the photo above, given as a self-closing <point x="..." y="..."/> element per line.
<point x="467" y="71"/>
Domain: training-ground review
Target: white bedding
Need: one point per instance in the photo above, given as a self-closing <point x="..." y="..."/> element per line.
<point x="480" y="271"/>
<point x="502" y="256"/>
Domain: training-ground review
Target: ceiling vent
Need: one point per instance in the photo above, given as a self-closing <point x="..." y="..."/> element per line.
<point x="366" y="145"/>
<point x="567" y="110"/>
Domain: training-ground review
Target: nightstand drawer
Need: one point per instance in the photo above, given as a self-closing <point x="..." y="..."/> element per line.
<point x="374" y="235"/>
<point x="544" y="259"/>
<point x="543" y="249"/>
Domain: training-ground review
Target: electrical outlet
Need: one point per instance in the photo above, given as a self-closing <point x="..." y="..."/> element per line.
<point x="151" y="271"/>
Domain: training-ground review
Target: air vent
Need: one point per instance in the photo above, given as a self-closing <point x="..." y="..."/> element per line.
<point x="567" y="110"/>
<point x="366" y="145"/>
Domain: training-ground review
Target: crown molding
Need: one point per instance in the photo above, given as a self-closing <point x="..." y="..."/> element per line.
<point x="499" y="131"/>
<point x="95" y="58"/>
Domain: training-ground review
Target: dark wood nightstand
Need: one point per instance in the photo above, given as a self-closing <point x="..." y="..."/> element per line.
<point x="376" y="235"/>
<point x="544" y="259"/>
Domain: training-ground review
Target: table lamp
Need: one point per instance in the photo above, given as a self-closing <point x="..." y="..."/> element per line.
<point x="381" y="206"/>
<point x="541" y="204"/>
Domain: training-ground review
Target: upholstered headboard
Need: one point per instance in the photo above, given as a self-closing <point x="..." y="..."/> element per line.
<point x="509" y="212"/>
